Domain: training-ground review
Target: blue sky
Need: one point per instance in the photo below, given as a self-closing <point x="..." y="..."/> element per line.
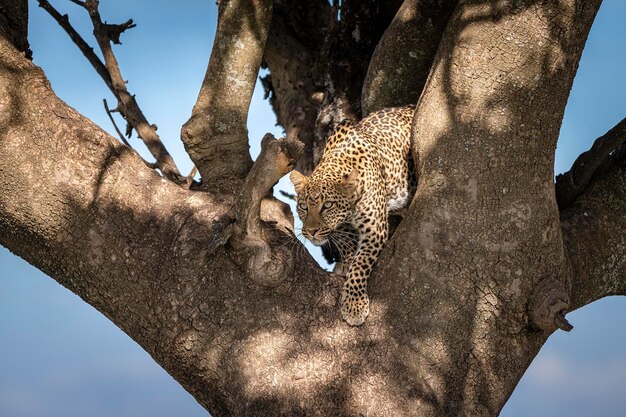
<point x="61" y="358"/>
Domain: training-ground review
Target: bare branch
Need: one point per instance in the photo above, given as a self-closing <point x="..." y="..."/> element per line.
<point x="293" y="85"/>
<point x="573" y="183"/>
<point x="216" y="135"/>
<point x="287" y="195"/>
<point x="64" y="22"/>
<point x="402" y="60"/>
<point x="122" y="138"/>
<point x="110" y="73"/>
<point x="127" y="104"/>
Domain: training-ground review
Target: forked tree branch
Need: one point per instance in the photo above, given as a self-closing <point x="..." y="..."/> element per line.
<point x="94" y="60"/>
<point x="572" y="183"/>
<point x="216" y="136"/>
<point x="105" y="34"/>
<point x="404" y="55"/>
<point x="251" y="241"/>
<point x="109" y="71"/>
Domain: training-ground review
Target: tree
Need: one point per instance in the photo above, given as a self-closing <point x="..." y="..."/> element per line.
<point x="480" y="272"/>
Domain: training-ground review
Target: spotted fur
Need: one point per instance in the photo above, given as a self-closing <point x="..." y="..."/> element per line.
<point x="365" y="173"/>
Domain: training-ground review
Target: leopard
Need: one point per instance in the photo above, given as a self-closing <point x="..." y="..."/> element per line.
<point x="365" y="175"/>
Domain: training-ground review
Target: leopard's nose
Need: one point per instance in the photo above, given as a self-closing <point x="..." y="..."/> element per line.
<point x="313" y="232"/>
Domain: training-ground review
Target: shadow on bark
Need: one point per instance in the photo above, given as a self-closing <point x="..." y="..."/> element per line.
<point x="155" y="260"/>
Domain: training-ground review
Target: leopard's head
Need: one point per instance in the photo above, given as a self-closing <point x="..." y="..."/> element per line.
<point x="324" y="202"/>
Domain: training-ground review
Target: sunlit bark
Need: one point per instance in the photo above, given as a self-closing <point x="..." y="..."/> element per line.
<point x="473" y="282"/>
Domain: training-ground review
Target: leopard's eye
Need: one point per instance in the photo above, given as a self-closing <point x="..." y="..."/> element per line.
<point x="328" y="204"/>
<point x="303" y="206"/>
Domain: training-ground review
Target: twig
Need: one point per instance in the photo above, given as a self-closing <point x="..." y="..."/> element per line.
<point x="110" y="73"/>
<point x="572" y="183"/>
<point x="287" y="195"/>
<point x="122" y="138"/>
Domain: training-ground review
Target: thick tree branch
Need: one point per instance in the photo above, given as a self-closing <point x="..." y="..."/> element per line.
<point x="14" y="24"/>
<point x="484" y="213"/>
<point x="404" y="55"/>
<point x="146" y="253"/>
<point x="453" y="293"/>
<point x="357" y="32"/>
<point x="216" y="136"/>
<point x="294" y="85"/>
<point x="594" y="231"/>
<point x="571" y="184"/>
<point x="110" y="73"/>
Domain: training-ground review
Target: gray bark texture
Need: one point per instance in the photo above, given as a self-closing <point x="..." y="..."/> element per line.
<point x="212" y="283"/>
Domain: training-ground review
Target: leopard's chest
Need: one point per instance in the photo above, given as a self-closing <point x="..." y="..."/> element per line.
<point x="398" y="202"/>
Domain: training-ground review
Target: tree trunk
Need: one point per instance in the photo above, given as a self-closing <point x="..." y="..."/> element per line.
<point x="475" y="279"/>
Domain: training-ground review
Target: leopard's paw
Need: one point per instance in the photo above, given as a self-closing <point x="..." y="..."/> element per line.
<point x="354" y="310"/>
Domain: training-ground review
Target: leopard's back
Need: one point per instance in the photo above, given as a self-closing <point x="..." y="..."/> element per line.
<point x="389" y="130"/>
<point x="387" y="134"/>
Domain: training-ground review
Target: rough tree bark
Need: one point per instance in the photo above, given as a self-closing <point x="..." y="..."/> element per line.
<point x="216" y="136"/>
<point x="475" y="279"/>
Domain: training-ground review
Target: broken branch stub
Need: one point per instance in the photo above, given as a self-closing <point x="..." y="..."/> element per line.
<point x="266" y="265"/>
<point x="277" y="158"/>
<point x="548" y="305"/>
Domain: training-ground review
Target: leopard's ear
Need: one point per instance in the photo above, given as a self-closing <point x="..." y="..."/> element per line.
<point x="298" y="180"/>
<point x="350" y="180"/>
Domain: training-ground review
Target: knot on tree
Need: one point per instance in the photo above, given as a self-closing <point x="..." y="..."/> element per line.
<point x="265" y="264"/>
<point x="548" y="305"/>
<point x="262" y="264"/>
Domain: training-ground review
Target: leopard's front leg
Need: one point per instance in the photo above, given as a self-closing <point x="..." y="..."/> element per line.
<point x="354" y="299"/>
